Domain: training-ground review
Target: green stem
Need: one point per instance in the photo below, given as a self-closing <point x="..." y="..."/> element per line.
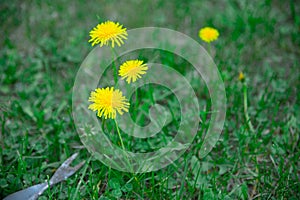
<point x="114" y="65"/>
<point x="136" y="103"/>
<point x="120" y="137"/>
<point x="123" y="147"/>
<point x="209" y="49"/>
<point x="103" y="124"/>
<point x="246" y="108"/>
<point x="252" y="130"/>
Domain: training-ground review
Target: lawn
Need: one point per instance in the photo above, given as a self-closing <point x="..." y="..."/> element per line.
<point x="43" y="45"/>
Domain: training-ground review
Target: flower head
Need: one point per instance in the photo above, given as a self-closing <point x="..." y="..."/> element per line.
<point x="241" y="76"/>
<point x="131" y="70"/>
<point x="108" y="32"/>
<point x="107" y="101"/>
<point x="208" y="34"/>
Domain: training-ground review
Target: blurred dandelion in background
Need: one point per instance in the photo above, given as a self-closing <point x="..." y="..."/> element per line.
<point x="241" y="76"/>
<point x="208" y="34"/>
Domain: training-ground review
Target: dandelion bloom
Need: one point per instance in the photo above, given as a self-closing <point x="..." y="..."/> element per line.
<point x="241" y="76"/>
<point x="208" y="34"/>
<point x="131" y="70"/>
<point x="108" y="32"/>
<point x="107" y="101"/>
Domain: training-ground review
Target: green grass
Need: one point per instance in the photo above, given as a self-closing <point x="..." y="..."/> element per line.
<point x="43" y="44"/>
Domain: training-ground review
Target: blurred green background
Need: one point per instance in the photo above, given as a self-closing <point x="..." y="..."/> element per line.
<point x="43" y="44"/>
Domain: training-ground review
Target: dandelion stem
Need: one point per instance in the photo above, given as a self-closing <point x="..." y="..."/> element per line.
<point x="123" y="147"/>
<point x="209" y="49"/>
<point x="252" y="130"/>
<point x="119" y="134"/>
<point x="103" y="124"/>
<point x="246" y="108"/>
<point x="136" y="103"/>
<point x="113" y="56"/>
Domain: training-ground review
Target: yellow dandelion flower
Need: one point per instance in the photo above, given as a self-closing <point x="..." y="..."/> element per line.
<point x="132" y="70"/>
<point x="108" y="32"/>
<point x="241" y="76"/>
<point x="107" y="101"/>
<point x="208" y="34"/>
